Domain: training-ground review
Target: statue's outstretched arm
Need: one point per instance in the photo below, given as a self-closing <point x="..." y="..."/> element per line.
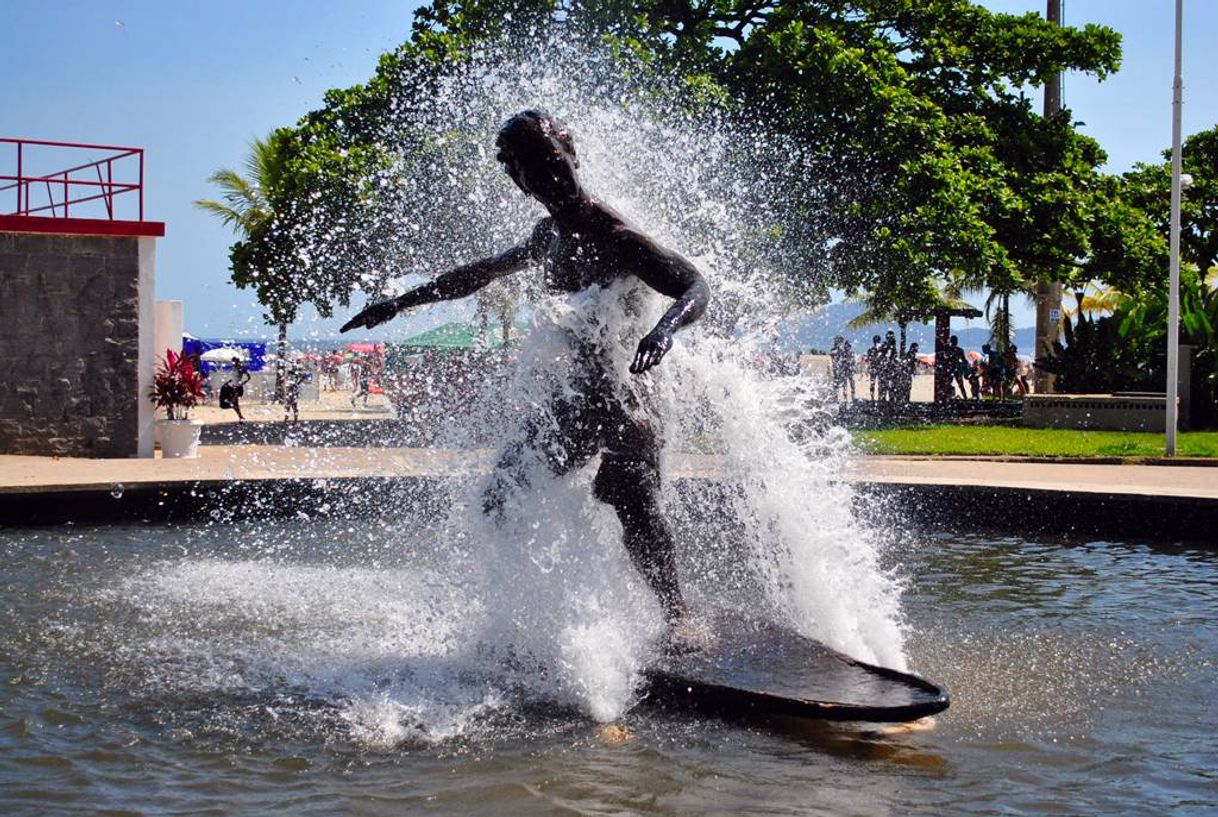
<point x="461" y="281"/>
<point x="669" y="274"/>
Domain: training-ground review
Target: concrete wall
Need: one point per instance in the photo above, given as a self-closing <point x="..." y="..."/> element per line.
<point x="170" y="323"/>
<point x="76" y="344"/>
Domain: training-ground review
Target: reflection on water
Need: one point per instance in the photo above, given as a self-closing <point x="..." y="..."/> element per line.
<point x="325" y="669"/>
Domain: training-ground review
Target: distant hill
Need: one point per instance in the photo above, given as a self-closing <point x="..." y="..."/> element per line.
<point x="811" y="332"/>
<point x="817" y="332"/>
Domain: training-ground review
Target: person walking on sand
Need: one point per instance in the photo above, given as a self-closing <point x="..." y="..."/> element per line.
<point x="234" y="389"/>
<point x="361" y="386"/>
<point x="581" y="244"/>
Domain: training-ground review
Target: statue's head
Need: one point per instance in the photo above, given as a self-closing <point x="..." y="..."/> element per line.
<point x="537" y="151"/>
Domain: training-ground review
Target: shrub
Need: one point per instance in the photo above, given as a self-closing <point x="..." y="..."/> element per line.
<point x="177" y="387"/>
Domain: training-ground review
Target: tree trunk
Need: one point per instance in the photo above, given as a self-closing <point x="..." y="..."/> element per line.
<point x="901" y="325"/>
<point x="280" y="358"/>
<point x="1006" y="320"/>
<point x="943" y="378"/>
<point x="1048" y="313"/>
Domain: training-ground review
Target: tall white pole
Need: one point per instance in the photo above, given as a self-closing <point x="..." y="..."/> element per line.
<point x="1173" y="298"/>
<point x="1048" y="292"/>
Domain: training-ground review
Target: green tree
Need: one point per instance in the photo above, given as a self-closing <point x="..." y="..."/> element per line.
<point x="1148" y="187"/>
<point x="922" y="152"/>
<point x="1137" y="292"/>
<point x="246" y="205"/>
<point x="903" y="127"/>
<point x="307" y="224"/>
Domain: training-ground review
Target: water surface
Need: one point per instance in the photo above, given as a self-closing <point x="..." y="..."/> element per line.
<point x="306" y="668"/>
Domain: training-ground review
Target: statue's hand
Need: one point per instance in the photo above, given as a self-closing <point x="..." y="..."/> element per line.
<point x="654" y="345"/>
<point x="374" y="315"/>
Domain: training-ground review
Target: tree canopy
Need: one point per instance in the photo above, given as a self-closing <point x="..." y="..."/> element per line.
<point x="1148" y="188"/>
<point x="907" y="121"/>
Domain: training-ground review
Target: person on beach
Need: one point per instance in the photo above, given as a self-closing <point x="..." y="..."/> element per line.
<point x="292" y="377"/>
<point x="974" y="377"/>
<point x="361" y="386"/>
<point x="841" y="362"/>
<point x="906" y="370"/>
<point x="873" y="359"/>
<point x="241" y="376"/>
<point x="1014" y="371"/>
<point x="228" y="399"/>
<point x="956" y="364"/>
<point x="889" y="365"/>
<point x="234" y="389"/>
<point x="583" y="243"/>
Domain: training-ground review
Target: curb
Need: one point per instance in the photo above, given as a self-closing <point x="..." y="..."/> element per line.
<point x="920" y="506"/>
<point x="1203" y="462"/>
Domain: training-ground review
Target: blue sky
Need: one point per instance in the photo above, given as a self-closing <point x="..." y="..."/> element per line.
<point x="192" y="82"/>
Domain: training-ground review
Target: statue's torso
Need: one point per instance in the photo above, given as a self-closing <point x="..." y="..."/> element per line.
<point x="580" y="258"/>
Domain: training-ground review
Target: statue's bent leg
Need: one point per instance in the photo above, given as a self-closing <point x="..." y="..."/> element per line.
<point x="558" y="436"/>
<point x="631" y="484"/>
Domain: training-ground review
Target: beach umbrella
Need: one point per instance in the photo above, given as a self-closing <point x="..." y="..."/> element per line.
<point x="225" y="355"/>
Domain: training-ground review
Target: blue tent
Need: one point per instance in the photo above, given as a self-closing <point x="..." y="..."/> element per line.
<point x="197" y="346"/>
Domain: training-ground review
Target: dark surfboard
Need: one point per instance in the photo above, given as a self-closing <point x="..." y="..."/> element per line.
<point x="758" y="668"/>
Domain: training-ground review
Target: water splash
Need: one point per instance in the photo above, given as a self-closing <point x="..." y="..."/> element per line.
<point x="543" y="606"/>
<point x="555" y="574"/>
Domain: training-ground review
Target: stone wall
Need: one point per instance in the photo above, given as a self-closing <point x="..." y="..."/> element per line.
<point x="1107" y="412"/>
<point x="70" y="345"/>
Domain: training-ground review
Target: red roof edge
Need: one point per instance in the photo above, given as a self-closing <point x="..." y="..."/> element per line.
<point x="80" y="226"/>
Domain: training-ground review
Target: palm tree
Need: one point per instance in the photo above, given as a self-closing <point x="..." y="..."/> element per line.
<point x="245" y="206"/>
<point x="1105" y="300"/>
<point x="999" y="304"/>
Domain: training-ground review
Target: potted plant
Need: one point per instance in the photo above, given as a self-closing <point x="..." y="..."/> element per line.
<point x="177" y="387"/>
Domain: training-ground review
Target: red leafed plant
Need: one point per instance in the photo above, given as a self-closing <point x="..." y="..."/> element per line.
<point x="177" y="386"/>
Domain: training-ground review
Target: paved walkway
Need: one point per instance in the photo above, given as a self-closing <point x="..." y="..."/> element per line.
<point x="1140" y="480"/>
<point x="330" y="405"/>
<point x="20" y="474"/>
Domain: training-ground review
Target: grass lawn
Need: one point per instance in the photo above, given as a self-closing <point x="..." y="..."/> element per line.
<point x="1031" y="442"/>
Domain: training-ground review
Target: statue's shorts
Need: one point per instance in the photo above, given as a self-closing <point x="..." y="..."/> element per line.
<point x="595" y="415"/>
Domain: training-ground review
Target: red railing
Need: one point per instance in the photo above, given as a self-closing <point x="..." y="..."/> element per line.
<point x="39" y="192"/>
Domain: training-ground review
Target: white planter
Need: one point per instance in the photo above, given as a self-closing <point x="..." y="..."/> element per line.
<point x="179" y="438"/>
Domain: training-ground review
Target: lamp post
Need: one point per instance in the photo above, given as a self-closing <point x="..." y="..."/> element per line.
<point x="1048" y="292"/>
<point x="1173" y="298"/>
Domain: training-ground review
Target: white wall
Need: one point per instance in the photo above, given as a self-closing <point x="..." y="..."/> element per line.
<point x="169" y="327"/>
<point x="145" y="418"/>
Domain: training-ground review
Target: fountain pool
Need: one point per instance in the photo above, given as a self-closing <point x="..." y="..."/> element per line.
<point x="324" y="668"/>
